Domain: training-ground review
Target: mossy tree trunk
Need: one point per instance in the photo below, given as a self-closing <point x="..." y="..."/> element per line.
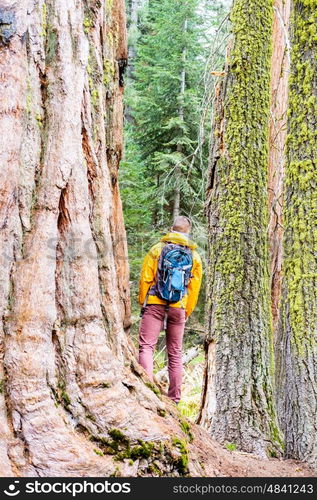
<point x="299" y="309"/>
<point x="71" y="392"/>
<point x="277" y="140"/>
<point x="238" y="404"/>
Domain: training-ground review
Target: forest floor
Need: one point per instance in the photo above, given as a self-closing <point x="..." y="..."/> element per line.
<point x="219" y="461"/>
<point x="231" y="462"/>
<point x="227" y="463"/>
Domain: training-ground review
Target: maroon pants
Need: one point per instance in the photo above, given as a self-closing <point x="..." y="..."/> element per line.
<point x="151" y="325"/>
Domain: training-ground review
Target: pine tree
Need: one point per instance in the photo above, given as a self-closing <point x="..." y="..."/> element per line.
<point x="168" y="83"/>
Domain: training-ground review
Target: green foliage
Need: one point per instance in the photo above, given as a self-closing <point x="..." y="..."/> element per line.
<point x="138" y="203"/>
<point x="190" y="409"/>
<point x="163" y="131"/>
<point x="189" y="405"/>
<point x="162" y="144"/>
<point x="165" y="117"/>
<point x="231" y="446"/>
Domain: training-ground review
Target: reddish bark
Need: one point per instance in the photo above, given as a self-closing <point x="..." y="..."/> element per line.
<point x="277" y="139"/>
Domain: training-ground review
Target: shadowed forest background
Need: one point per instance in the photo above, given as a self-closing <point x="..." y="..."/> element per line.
<point x="173" y="50"/>
<point x="115" y="117"/>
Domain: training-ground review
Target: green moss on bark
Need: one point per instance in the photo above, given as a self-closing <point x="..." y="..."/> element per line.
<point x="153" y="388"/>
<point x="44" y="20"/>
<point x="172" y="454"/>
<point x="51" y="47"/>
<point x="239" y="312"/>
<point x="300" y="266"/>
<point x="244" y="164"/>
<point x="108" y="71"/>
<point x="181" y="463"/>
<point x="299" y="310"/>
<point x="186" y="428"/>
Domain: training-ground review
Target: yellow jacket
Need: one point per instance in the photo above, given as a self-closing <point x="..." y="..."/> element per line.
<point x="149" y="270"/>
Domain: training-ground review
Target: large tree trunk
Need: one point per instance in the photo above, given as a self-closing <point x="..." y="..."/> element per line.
<point x="69" y="380"/>
<point x="299" y="312"/>
<point x="238" y="404"/>
<point x="277" y="141"/>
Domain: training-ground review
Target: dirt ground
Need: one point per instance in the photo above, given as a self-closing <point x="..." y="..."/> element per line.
<point x="219" y="462"/>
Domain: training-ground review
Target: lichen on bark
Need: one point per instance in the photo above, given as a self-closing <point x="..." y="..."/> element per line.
<point x="299" y="308"/>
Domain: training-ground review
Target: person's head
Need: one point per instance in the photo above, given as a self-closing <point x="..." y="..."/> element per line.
<point x="182" y="224"/>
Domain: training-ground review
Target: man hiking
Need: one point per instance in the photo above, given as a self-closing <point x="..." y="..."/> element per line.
<point x="169" y="287"/>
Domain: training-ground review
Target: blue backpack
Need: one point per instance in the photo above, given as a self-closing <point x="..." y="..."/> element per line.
<point x="173" y="272"/>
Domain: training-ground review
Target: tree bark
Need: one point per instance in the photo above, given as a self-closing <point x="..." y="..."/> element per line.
<point x="277" y="140"/>
<point x="132" y="30"/>
<point x="178" y="170"/>
<point x="299" y="309"/>
<point x="238" y="404"/>
<point x="72" y="397"/>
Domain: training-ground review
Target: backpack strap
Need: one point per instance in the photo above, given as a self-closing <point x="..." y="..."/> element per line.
<point x="152" y="290"/>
